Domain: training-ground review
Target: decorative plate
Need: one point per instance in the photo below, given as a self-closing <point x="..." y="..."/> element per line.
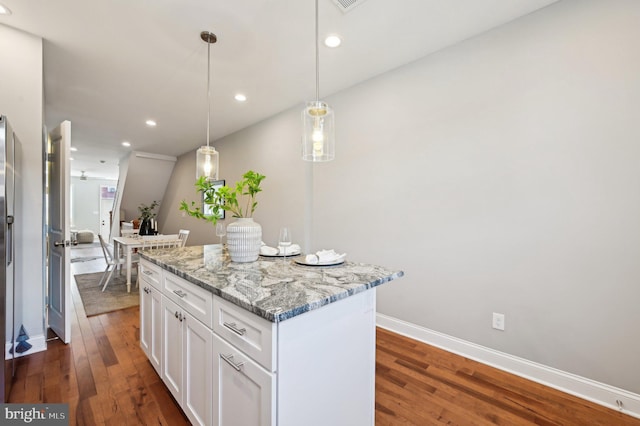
<point x="302" y="261"/>
<point x="296" y="253"/>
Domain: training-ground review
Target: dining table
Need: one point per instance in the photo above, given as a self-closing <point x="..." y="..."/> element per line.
<point x="127" y="245"/>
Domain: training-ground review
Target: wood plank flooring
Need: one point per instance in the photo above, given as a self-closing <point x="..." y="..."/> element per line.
<point x="103" y="374"/>
<point x="106" y="379"/>
<point x="418" y="384"/>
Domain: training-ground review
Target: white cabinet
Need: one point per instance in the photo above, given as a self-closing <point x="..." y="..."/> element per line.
<point x="326" y="365"/>
<point x="226" y="366"/>
<point x="198" y="371"/>
<point x="197" y="301"/>
<point x="151" y="273"/>
<point x="247" y="332"/>
<point x="151" y="324"/>
<point x="151" y="314"/>
<point x="188" y="366"/>
<point x="172" y="348"/>
<point x="243" y="392"/>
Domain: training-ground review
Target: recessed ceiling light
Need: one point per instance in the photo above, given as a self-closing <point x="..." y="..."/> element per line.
<point x="4" y="10"/>
<point x="125" y="143"/>
<point x="151" y="123"/>
<point x="240" y="97"/>
<point x="332" y="41"/>
<point x="74" y="149"/>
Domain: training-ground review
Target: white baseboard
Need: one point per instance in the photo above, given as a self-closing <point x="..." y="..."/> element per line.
<point x="38" y="344"/>
<point x="584" y="388"/>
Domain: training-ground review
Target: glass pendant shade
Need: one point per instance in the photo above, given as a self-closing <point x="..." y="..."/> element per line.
<point x="207" y="156"/>
<point x="207" y="163"/>
<point x="318" y="138"/>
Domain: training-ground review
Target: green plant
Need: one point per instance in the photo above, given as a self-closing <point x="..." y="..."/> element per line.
<point x="146" y="212"/>
<point x="239" y="200"/>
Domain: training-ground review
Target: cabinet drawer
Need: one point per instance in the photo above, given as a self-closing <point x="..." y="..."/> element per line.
<point x="151" y="273"/>
<point x="248" y="332"/>
<point x="244" y="393"/>
<point x="195" y="300"/>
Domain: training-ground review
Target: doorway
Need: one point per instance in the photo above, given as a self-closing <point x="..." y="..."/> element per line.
<point x="107" y="196"/>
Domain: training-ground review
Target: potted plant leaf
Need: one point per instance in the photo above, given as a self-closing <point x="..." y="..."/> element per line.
<point x="244" y="236"/>
<point x="146" y="214"/>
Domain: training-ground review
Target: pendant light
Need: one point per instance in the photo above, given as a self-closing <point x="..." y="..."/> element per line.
<point x="318" y="137"/>
<point x="207" y="156"/>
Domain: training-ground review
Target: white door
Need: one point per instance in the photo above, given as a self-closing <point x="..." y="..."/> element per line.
<point x="105" y="221"/>
<point x="59" y="284"/>
<point x="107" y="196"/>
<point x="198" y="373"/>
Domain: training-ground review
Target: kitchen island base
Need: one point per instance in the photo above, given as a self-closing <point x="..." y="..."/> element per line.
<point x="314" y="369"/>
<point x="324" y="373"/>
<point x="326" y="359"/>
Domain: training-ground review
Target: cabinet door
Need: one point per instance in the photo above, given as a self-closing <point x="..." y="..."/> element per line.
<point x="155" y="345"/>
<point x="145" y="318"/>
<point x="172" y="321"/>
<point x="151" y="324"/>
<point x="198" y="371"/>
<point x="243" y="392"/>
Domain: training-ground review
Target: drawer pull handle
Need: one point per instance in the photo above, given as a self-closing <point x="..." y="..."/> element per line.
<point x="179" y="316"/>
<point x="180" y="293"/>
<point x="146" y="290"/>
<point x="229" y="359"/>
<point x="147" y="272"/>
<point x="233" y="327"/>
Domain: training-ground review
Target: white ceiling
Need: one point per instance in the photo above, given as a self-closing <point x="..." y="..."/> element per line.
<point x="111" y="65"/>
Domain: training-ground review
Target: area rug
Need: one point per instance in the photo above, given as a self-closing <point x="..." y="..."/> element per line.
<point x="114" y="297"/>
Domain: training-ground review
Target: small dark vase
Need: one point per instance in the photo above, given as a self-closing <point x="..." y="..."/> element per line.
<point x="145" y="227"/>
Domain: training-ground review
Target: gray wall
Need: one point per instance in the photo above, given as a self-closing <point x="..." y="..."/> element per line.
<point x="145" y="181"/>
<point x="21" y="101"/>
<point x="500" y="174"/>
<point x="262" y="148"/>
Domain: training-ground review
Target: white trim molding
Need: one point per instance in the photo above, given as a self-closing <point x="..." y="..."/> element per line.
<point x="596" y="392"/>
<point x="38" y="344"/>
<point x="152" y="156"/>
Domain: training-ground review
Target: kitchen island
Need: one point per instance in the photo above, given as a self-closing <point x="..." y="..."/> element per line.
<point x="261" y="343"/>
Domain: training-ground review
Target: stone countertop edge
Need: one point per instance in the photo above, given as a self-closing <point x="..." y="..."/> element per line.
<point x="278" y="314"/>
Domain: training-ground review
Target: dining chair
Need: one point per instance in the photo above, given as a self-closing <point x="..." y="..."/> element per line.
<point x="183" y="234"/>
<point x="161" y="241"/>
<point x="112" y="263"/>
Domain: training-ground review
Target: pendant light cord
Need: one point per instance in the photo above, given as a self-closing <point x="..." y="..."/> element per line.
<point x="317" y="59"/>
<point x="208" y="91"/>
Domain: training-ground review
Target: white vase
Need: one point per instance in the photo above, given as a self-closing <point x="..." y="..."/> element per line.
<point x="244" y="238"/>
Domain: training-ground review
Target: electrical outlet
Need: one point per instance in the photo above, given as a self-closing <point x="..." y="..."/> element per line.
<point x="498" y="321"/>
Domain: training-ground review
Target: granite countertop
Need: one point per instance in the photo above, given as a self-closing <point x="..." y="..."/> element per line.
<point x="269" y="287"/>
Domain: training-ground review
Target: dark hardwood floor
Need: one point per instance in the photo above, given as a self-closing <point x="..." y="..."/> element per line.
<point x="106" y="379"/>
